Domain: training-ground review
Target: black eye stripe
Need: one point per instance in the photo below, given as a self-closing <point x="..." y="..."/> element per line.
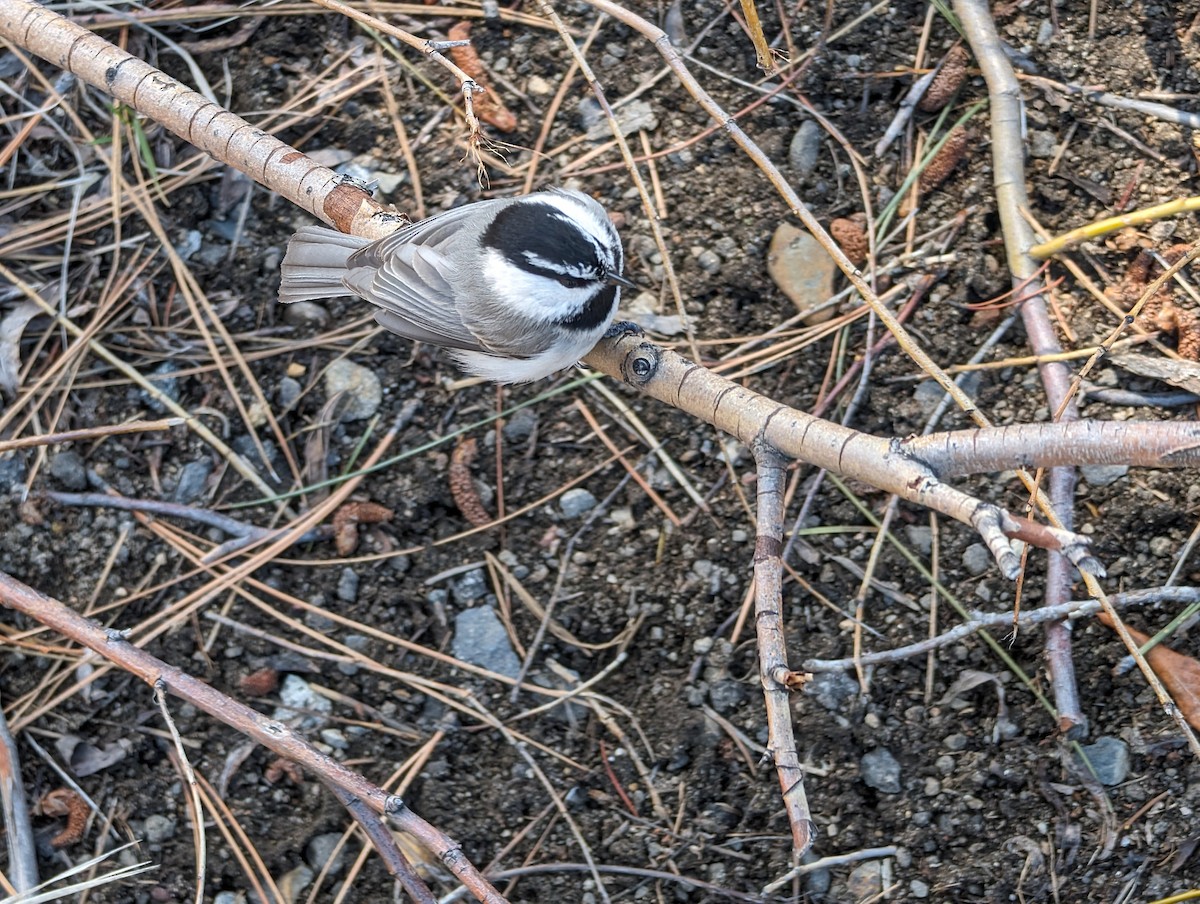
<point x="532" y="235"/>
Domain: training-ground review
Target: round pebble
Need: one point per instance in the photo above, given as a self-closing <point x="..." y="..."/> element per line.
<point x="158" y="828"/>
<point x="576" y="502"/>
<point x="363" y="391"/>
<point x="977" y="559"/>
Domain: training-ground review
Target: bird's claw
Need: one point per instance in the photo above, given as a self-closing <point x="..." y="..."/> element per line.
<point x="619" y="329"/>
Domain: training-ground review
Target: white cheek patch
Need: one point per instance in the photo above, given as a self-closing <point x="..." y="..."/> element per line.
<point x="532" y="296"/>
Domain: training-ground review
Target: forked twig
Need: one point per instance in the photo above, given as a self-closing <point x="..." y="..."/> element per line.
<point x="1004" y="91"/>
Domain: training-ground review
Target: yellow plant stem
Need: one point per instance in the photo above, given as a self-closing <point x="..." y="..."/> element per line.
<point x="1112" y="224"/>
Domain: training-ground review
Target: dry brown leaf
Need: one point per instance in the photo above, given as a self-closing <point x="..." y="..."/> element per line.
<point x="260" y="682"/>
<point x="462" y="484"/>
<point x="943" y="164"/>
<point x="347" y="518"/>
<point x="488" y="105"/>
<point x="1180" y="674"/>
<point x="947" y="82"/>
<point x="11" y="329"/>
<point x="848" y="232"/>
<point x="65" y="802"/>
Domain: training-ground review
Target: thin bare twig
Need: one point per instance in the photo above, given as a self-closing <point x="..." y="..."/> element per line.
<point x="271" y="734"/>
<point x="776" y="678"/>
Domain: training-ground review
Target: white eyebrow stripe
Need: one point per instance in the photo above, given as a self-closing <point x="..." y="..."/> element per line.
<point x="566" y="268"/>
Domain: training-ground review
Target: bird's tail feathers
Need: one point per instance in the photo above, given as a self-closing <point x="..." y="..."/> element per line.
<point x="315" y="264"/>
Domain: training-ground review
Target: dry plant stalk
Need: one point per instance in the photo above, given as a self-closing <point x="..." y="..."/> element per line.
<point x="488" y="105"/>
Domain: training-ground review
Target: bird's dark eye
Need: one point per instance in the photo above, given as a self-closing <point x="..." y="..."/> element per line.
<point x="571" y="282"/>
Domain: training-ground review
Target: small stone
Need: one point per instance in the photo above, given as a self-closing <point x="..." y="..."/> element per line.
<point x="359" y="643"/>
<point x="1103" y="475"/>
<point x="192" y="480"/>
<point x="835" y="691"/>
<point x="921" y="537"/>
<point x="347" y="588"/>
<point x="300" y="700"/>
<point x="977" y="559"/>
<point x="879" y="770"/>
<point x="575" y="502"/>
<point x="1161" y="547"/>
<point x="68" y="469"/>
<point x="818" y="881"/>
<point x="955" y="742"/>
<point x="866" y="880"/>
<point x="158" y="828"/>
<point x="1109" y="759"/>
<point x="12" y="471"/>
<point x="321" y="848"/>
<point x="293" y="883"/>
<point x="726" y="695"/>
<point x="480" y="639"/>
<point x="928" y="395"/>
<point x="305" y="314"/>
<point x="1042" y="144"/>
<point x="802" y="270"/>
<point x="386" y="182"/>
<point x="709" y="261"/>
<point x="363" y="391"/>
<point x="591" y="115"/>
<point x="243" y="444"/>
<point x="538" y="86"/>
<point x="470" y="587"/>
<point x="289" y="393"/>
<point x="805" y="148"/>
<point x="919" y="889"/>
<point x="521" y="425"/>
<point x="634" y="116"/>
<point x="161" y="379"/>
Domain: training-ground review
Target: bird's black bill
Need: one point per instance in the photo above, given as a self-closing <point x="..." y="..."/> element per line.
<point x="615" y="279"/>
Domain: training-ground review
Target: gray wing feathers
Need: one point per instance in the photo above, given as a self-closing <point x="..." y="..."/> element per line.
<point x="407" y="275"/>
<point x="433" y="232"/>
<point x="411" y="287"/>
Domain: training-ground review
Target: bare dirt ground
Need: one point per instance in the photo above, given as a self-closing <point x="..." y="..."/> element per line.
<point x="660" y="765"/>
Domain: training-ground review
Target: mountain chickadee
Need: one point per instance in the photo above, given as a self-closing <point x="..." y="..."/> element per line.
<point x="514" y="289"/>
